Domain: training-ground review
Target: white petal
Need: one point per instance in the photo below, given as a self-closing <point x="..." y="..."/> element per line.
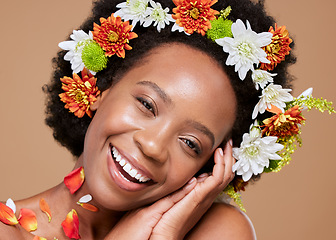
<point x="246" y="176"/>
<point x="10" y="203"/>
<point x="67" y="45"/>
<point x="85" y="199"/>
<point x="306" y="93"/>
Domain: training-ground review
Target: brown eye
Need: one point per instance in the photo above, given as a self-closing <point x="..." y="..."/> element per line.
<point x="192" y="145"/>
<point x="147" y="105"/>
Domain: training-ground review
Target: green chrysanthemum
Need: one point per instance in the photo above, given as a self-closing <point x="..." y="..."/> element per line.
<point x="220" y="28"/>
<point x="93" y="57"/>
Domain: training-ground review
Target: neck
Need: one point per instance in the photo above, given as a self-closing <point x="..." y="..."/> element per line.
<point x="92" y="225"/>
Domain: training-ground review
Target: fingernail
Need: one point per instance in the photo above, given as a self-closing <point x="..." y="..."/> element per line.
<point x="191" y="181"/>
<point x="221" y="152"/>
<point x="230" y="142"/>
<point x="203" y="175"/>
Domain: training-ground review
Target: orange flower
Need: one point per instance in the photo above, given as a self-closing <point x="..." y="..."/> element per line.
<point x="7" y="215"/>
<point x="79" y="93"/>
<point x="239" y="184"/>
<point x="71" y="225"/>
<point x="278" y="48"/>
<point x="113" y="35"/>
<point x="74" y="180"/>
<point x="284" y="124"/>
<point x="27" y="219"/>
<point x="194" y="15"/>
<point x="45" y="208"/>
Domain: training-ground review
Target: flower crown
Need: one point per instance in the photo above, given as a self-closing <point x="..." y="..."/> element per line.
<point x="268" y="145"/>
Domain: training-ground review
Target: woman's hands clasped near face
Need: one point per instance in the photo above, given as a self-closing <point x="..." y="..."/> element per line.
<point x="173" y="216"/>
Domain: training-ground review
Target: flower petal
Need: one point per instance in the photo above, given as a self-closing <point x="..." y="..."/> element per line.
<point x="85" y="199"/>
<point x="27" y="219"/>
<point x="45" y="208"/>
<point x="74" y="180"/>
<point x="7" y="215"/>
<point x="39" y="238"/>
<point x="88" y="206"/>
<point x="71" y="225"/>
<point x="10" y="203"/>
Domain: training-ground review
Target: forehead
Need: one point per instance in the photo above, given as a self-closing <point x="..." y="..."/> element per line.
<point x="196" y="85"/>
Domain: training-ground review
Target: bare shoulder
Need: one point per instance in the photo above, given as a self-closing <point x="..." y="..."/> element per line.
<point x="223" y="221"/>
<point x="8" y="232"/>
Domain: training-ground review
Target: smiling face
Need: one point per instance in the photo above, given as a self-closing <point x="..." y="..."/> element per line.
<point x="156" y="127"/>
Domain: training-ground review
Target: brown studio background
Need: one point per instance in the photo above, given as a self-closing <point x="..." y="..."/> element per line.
<point x="297" y="203"/>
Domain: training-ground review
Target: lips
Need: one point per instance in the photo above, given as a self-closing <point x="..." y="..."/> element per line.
<point x="126" y="172"/>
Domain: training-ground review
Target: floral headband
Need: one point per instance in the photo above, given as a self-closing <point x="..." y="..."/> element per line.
<point x="268" y="145"/>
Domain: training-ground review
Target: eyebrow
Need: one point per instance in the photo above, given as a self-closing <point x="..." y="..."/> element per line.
<point x="197" y="125"/>
<point x="200" y="127"/>
<point x="158" y="90"/>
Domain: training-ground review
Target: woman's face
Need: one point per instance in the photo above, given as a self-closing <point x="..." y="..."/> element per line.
<point x="162" y="121"/>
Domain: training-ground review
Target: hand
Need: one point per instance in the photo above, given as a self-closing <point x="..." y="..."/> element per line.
<point x="173" y="216"/>
<point x="184" y="214"/>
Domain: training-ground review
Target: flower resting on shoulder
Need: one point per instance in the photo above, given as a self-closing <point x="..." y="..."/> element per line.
<point x="135" y="10"/>
<point x="245" y="48"/>
<point x="194" y="16"/>
<point x="275" y="95"/>
<point x="159" y="15"/>
<point x="79" y="93"/>
<point x="113" y="35"/>
<point x="284" y="124"/>
<point x="278" y="48"/>
<point x="75" y="47"/>
<point x="255" y="153"/>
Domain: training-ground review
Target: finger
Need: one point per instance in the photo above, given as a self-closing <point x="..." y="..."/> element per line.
<point x="202" y="177"/>
<point x="164" y="204"/>
<point x="229" y="161"/>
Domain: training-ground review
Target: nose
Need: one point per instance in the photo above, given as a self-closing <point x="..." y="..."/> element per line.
<point x="153" y="142"/>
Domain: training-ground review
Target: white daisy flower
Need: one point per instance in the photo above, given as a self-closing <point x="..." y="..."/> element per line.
<point x="272" y="95"/>
<point x="262" y="78"/>
<point x="75" y="47"/>
<point x="159" y="15"/>
<point x="135" y="10"/>
<point x="254" y="153"/>
<point x="245" y="48"/>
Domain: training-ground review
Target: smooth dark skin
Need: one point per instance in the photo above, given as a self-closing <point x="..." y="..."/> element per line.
<point x="191" y="103"/>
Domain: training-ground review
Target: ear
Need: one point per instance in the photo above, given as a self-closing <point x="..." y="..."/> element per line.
<point x="99" y="100"/>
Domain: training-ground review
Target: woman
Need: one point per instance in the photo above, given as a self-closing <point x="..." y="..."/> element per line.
<point x="161" y="96"/>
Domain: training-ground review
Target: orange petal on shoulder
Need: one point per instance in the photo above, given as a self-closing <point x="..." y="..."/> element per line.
<point x="7" y="215"/>
<point x="71" y="225"/>
<point x="274" y="109"/>
<point x="27" y="219"/>
<point x="45" y="208"/>
<point x="39" y="238"/>
<point x="74" y="180"/>
<point x="88" y="206"/>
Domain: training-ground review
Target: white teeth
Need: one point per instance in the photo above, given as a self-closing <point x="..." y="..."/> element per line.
<point x="122" y="162"/>
<point x="133" y="172"/>
<point x="128" y="167"/>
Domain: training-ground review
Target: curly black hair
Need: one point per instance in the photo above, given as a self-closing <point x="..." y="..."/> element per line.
<point x="70" y="130"/>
